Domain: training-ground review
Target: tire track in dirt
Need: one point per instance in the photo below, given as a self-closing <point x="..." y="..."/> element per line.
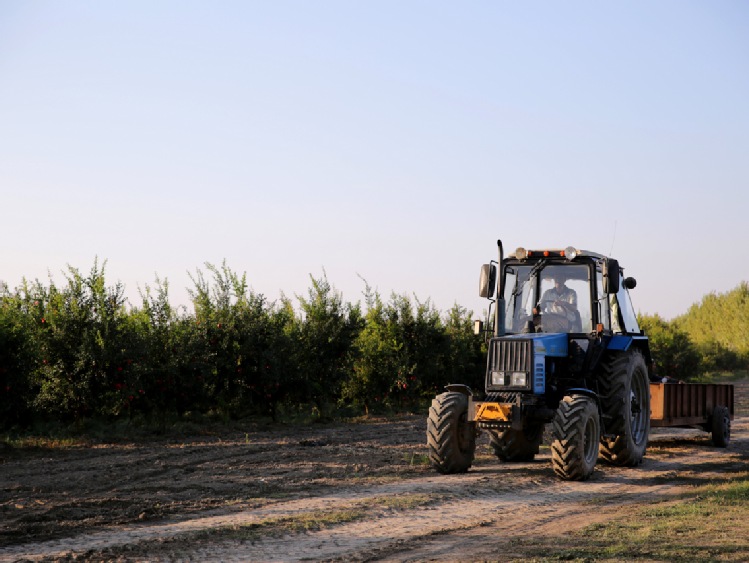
<point x="399" y="533"/>
<point x="87" y="500"/>
<point x="516" y="499"/>
<point x="467" y="509"/>
<point x="453" y="530"/>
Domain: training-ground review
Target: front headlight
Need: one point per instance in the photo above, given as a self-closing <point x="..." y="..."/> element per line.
<point x="518" y="379"/>
<point x="498" y="378"/>
<point x="511" y="378"/>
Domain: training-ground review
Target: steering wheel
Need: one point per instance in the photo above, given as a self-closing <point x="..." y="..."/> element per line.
<point x="556" y="315"/>
<point x="546" y="306"/>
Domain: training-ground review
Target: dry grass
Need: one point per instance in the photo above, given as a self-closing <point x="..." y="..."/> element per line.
<point x="710" y="525"/>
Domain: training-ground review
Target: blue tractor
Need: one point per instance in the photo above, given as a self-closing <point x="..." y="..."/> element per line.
<point x="565" y="349"/>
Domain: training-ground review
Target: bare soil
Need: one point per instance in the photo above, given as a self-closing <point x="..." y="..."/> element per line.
<point x="356" y="492"/>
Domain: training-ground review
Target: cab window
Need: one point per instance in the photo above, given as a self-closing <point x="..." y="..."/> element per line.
<point x="628" y="315"/>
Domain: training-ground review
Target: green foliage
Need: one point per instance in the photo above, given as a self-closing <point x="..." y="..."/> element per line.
<point x="406" y="353"/>
<point x="17" y="359"/>
<point x="241" y="346"/>
<point x="78" y="335"/>
<point x="379" y="356"/>
<point x="720" y="318"/>
<point x="466" y="358"/>
<point x="220" y="335"/>
<point x="719" y="327"/>
<point x="75" y="351"/>
<point x="674" y="354"/>
<point x="161" y="375"/>
<point x="324" y="337"/>
<point x="713" y="336"/>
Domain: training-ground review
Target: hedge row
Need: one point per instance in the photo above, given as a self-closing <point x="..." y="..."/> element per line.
<point x="712" y="337"/>
<point x="79" y="350"/>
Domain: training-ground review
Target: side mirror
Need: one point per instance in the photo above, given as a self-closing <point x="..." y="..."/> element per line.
<point x="630" y="283"/>
<point x="611" y="275"/>
<point x="488" y="281"/>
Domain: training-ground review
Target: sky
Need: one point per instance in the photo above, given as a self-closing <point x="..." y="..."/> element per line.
<point x="386" y="141"/>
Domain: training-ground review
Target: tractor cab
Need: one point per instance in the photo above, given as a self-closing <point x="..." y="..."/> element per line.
<point x="547" y="297"/>
<point x="560" y="291"/>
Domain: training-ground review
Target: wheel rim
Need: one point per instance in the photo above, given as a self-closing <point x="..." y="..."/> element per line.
<point x="639" y="415"/>
<point x="590" y="441"/>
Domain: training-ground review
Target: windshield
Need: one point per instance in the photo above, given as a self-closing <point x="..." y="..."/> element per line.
<point x="545" y="297"/>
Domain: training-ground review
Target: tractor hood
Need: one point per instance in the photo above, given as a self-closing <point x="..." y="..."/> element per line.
<point x="550" y="345"/>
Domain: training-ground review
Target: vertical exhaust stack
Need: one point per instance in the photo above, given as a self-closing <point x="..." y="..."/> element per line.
<point x="499" y="313"/>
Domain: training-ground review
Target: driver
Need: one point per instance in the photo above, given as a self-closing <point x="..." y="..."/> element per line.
<point x="560" y="299"/>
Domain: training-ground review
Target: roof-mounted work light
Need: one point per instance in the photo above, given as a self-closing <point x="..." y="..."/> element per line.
<point x="571" y="252"/>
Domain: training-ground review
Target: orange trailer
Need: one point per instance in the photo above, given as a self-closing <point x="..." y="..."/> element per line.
<point x="708" y="406"/>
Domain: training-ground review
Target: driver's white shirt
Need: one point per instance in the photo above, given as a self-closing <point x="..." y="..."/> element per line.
<point x="565" y="294"/>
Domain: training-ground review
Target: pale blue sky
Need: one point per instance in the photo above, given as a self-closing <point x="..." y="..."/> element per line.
<point x="390" y="140"/>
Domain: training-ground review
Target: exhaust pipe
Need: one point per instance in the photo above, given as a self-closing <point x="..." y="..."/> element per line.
<point x="499" y="314"/>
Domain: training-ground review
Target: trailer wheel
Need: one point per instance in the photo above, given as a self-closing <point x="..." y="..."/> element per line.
<point x="575" y="438"/>
<point x="625" y="399"/>
<point x="517" y="445"/>
<point x="451" y="439"/>
<point x="721" y="426"/>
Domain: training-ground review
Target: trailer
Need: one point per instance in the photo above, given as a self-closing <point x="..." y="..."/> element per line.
<point x="707" y="406"/>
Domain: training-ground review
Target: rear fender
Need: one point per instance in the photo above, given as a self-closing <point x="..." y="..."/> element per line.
<point x="623" y="343"/>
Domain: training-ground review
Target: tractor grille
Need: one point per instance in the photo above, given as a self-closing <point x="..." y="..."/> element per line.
<point x="504" y="397"/>
<point x="512" y="355"/>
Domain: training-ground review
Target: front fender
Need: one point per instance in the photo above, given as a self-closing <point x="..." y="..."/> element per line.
<point x="459" y="388"/>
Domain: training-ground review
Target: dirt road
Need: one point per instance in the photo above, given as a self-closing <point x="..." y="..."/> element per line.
<point x="320" y="492"/>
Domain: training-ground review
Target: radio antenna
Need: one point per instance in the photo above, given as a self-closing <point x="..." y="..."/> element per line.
<point x="613" y="239"/>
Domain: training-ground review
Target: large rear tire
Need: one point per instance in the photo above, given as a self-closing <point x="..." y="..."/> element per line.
<point x="625" y="399"/>
<point x="517" y="445"/>
<point x="721" y="426"/>
<point x="451" y="438"/>
<point x="575" y="437"/>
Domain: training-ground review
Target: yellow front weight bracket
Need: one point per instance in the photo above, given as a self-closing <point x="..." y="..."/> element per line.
<point x="493" y="412"/>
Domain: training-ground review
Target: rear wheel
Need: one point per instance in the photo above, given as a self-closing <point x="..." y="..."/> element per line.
<point x="625" y="398"/>
<point x="517" y="445"/>
<point x="575" y="437"/>
<point x="721" y="426"/>
<point x="451" y="438"/>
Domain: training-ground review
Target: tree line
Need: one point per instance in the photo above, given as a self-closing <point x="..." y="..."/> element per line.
<point x="78" y="350"/>
<point x="712" y="336"/>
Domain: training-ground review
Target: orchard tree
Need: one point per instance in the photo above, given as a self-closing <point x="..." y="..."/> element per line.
<point x="327" y="331"/>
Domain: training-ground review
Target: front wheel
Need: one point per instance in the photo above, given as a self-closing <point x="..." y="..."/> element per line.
<point x="451" y="438"/>
<point x="575" y="436"/>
